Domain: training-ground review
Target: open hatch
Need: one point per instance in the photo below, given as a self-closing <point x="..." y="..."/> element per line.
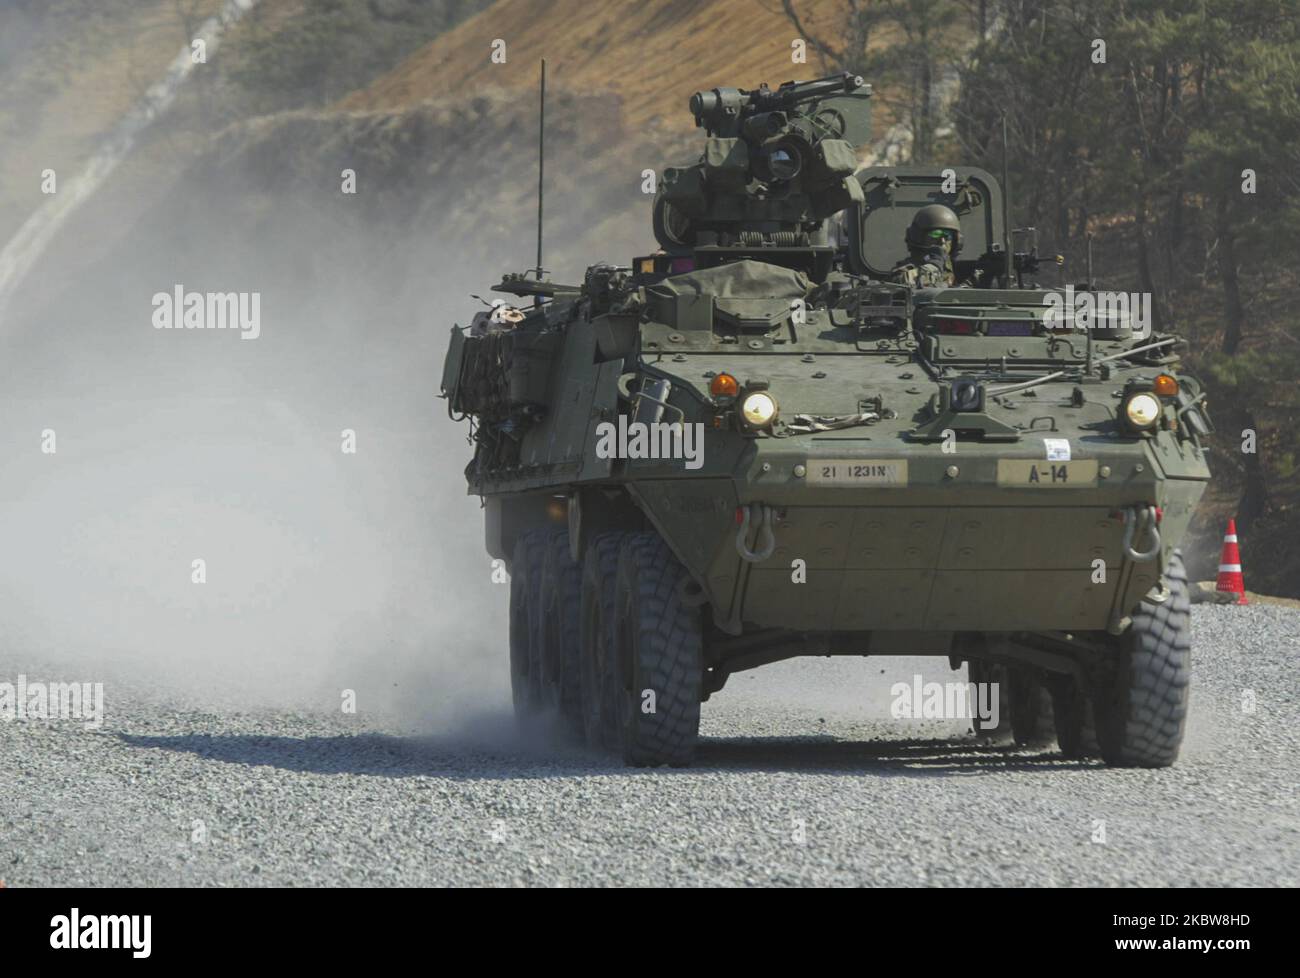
<point x="892" y="196"/>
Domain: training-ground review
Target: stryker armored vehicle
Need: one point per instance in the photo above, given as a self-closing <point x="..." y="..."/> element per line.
<point x="758" y="443"/>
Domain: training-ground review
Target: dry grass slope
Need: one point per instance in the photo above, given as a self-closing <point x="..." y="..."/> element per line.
<point x="652" y="56"/>
<point x="75" y="71"/>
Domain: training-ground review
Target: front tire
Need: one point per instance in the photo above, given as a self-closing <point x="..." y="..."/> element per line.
<point x="658" y="655"/>
<point x="1141" y="709"/>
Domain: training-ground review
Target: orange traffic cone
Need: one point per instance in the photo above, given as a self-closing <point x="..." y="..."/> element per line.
<point x="1230" y="578"/>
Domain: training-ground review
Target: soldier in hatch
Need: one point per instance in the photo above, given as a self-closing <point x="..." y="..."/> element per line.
<point x="933" y="241"/>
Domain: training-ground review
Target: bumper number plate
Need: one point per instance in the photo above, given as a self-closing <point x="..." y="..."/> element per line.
<point x="857" y="472"/>
<point x="1036" y="474"/>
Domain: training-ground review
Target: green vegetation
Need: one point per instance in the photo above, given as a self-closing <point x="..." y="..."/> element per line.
<point x="1177" y="146"/>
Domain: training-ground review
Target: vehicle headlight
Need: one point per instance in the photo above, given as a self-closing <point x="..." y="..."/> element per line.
<point x="1142" y="410"/>
<point x="758" y="408"/>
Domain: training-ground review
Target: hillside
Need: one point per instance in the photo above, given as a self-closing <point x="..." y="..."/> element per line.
<point x="651" y="56"/>
<point x="71" y="69"/>
<point x="68" y="71"/>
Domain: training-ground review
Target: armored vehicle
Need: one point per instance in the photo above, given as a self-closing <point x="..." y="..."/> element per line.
<point x="770" y="439"/>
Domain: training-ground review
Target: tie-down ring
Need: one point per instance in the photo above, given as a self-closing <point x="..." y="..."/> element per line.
<point x="1141" y="519"/>
<point x="760" y="514"/>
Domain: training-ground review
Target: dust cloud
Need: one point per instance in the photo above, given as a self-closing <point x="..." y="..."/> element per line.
<point x="325" y="570"/>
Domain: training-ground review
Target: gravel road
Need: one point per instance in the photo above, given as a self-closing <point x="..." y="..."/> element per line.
<point x="803" y="779"/>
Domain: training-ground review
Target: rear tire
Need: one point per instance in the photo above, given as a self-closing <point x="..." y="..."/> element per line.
<point x="658" y="655"/>
<point x="1076" y="730"/>
<point x="1141" y="708"/>
<point x="525" y="616"/>
<point x="599" y="567"/>
<point x="1030" y="703"/>
<point x="980" y="671"/>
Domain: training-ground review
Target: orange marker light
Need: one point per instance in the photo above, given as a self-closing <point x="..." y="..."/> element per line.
<point x="724" y="385"/>
<point x="1165" y="386"/>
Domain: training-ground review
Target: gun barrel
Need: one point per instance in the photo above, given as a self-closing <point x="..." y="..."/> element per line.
<point x="723" y="110"/>
<point x="792" y="93"/>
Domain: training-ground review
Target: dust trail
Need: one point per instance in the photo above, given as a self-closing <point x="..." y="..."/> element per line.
<point x="29" y="243"/>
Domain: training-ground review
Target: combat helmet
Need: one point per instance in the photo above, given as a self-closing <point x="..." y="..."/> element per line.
<point x="935" y="217"/>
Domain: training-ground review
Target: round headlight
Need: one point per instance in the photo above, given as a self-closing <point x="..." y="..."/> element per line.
<point x="758" y="409"/>
<point x="1142" y="410"/>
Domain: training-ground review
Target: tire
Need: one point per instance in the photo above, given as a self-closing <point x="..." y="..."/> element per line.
<point x="525" y="600"/>
<point x="560" y="634"/>
<point x="1076" y="732"/>
<point x="1030" y="703"/>
<point x="1141" y="709"/>
<point x="599" y="567"/>
<point x="658" y="656"/>
<point x="980" y="671"/>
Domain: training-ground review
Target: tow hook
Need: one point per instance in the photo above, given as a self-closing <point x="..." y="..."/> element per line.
<point x="1138" y="520"/>
<point x="761" y="515"/>
<point x="1158" y="594"/>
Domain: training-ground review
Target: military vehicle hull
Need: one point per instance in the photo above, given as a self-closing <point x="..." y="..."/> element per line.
<point x="1010" y="553"/>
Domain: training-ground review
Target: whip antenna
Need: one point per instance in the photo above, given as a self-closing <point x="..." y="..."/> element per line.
<point x="1006" y="218"/>
<point x="541" y="171"/>
<point x="1091" y="288"/>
